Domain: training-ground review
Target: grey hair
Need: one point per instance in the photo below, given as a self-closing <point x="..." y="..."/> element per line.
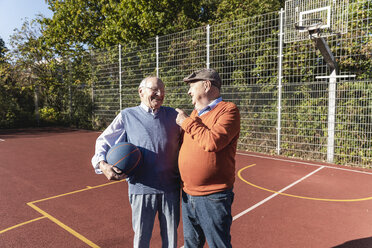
<point x="144" y="81"/>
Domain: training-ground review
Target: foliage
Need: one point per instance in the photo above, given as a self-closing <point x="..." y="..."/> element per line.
<point x="49" y="114"/>
<point x="2" y="49"/>
<point x="99" y="23"/>
<point x="37" y="83"/>
<point x="15" y="101"/>
<point x="229" y="10"/>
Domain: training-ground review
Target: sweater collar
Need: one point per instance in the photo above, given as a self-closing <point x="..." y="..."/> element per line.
<point x="149" y="110"/>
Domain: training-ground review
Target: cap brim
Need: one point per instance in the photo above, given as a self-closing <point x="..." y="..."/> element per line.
<point x="189" y="80"/>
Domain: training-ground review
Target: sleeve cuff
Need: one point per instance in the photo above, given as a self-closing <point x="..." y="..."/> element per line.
<point x="96" y="164"/>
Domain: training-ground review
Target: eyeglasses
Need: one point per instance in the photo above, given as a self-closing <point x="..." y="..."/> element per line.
<point x="155" y="90"/>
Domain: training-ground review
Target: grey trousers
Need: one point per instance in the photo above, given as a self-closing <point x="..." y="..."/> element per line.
<point x="144" y="209"/>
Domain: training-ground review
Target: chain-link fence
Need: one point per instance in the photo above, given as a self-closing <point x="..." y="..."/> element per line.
<point x="281" y="89"/>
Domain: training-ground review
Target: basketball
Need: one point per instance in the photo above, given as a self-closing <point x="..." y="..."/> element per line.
<point x="126" y="157"/>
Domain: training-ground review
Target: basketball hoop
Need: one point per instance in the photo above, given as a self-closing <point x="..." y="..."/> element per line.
<point x="319" y="18"/>
<point x="314" y="28"/>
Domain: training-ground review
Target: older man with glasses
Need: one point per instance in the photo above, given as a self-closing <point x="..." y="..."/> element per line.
<point x="155" y="188"/>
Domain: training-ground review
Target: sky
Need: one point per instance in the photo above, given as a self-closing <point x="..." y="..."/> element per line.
<point x="14" y="12"/>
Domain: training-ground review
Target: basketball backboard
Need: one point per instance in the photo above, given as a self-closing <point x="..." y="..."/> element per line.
<point x="330" y="17"/>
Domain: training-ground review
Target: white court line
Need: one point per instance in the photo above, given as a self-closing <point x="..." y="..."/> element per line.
<point x="291" y="185"/>
<point x="275" y="194"/>
<point x="305" y="163"/>
<point x="2" y="140"/>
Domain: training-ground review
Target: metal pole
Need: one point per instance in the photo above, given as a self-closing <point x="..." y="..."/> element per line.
<point x="93" y="91"/>
<point x="69" y="89"/>
<point x="92" y="103"/>
<point x="280" y="76"/>
<point x="36" y="102"/>
<point x="121" y="106"/>
<point x="208" y="33"/>
<point x="157" y="56"/>
<point x="70" y="102"/>
<point x="93" y="78"/>
<point x="331" y="116"/>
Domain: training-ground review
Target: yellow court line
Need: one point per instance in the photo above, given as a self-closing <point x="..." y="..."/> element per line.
<point x="77" y="191"/>
<point x="59" y="223"/>
<point x="297" y="196"/>
<point x="50" y="217"/>
<point x="67" y="228"/>
<point x="39" y="218"/>
<point x="21" y="224"/>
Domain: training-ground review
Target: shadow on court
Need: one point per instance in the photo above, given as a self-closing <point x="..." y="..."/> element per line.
<point x="358" y="243"/>
<point x="34" y="132"/>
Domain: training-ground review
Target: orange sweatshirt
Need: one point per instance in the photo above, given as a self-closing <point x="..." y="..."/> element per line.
<point x="207" y="156"/>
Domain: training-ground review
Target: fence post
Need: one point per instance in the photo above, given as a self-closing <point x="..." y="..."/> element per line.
<point x="121" y="106"/>
<point x="93" y="77"/>
<point x="208" y="33"/>
<point x="93" y="124"/>
<point x="70" y="102"/>
<point x="36" y="102"/>
<point x="280" y="76"/>
<point x="69" y="91"/>
<point x="157" y="56"/>
<point x="331" y="117"/>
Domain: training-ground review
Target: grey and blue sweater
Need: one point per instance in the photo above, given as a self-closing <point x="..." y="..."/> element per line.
<point x="158" y="137"/>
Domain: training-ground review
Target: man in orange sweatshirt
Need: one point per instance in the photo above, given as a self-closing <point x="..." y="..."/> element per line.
<point x="207" y="162"/>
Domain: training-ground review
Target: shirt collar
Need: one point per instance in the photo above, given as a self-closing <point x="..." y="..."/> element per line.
<point x="210" y="106"/>
<point x="149" y="110"/>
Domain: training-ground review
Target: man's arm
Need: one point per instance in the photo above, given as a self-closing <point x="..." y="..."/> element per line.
<point x="219" y="135"/>
<point x="114" y="133"/>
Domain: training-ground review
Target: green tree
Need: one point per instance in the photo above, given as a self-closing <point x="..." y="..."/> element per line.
<point x="56" y="82"/>
<point x="3" y="49"/>
<point x="34" y="66"/>
<point x="229" y="10"/>
<point x="99" y="23"/>
<point x="15" y="101"/>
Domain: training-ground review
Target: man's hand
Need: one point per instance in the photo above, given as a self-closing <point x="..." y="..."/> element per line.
<point x="111" y="172"/>
<point x="181" y="116"/>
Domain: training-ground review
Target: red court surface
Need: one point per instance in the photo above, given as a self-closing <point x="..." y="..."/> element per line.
<point x="51" y="197"/>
